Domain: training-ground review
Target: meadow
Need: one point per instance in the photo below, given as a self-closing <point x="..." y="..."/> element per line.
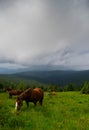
<point x="63" y="111"/>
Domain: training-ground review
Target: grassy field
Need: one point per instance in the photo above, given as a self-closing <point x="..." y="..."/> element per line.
<point x="64" y="111"/>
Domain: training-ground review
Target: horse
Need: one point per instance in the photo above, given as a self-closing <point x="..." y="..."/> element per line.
<point x="30" y="95"/>
<point x="14" y="92"/>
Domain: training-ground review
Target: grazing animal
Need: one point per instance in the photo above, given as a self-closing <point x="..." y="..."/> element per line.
<point x="52" y="93"/>
<point x="30" y="95"/>
<point x="14" y="92"/>
<point x="8" y="89"/>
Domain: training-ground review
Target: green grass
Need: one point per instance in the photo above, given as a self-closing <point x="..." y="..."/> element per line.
<point x="64" y="111"/>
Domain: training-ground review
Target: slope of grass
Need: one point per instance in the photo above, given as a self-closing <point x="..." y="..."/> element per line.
<point x="64" y="111"/>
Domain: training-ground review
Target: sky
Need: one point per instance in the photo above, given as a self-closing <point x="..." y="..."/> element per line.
<point x="44" y="32"/>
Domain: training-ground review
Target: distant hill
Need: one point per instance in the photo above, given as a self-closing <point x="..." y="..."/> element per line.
<point x="55" y="77"/>
<point x="5" y="70"/>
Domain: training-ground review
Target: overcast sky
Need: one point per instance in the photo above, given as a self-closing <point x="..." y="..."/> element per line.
<point x="44" y="32"/>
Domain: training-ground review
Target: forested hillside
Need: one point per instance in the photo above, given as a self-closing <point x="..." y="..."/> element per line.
<point x="56" y="77"/>
<point x="49" y="80"/>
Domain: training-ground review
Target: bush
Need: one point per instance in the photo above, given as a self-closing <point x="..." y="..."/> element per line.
<point x="69" y="87"/>
<point x="85" y="88"/>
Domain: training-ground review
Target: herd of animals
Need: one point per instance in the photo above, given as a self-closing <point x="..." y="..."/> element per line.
<point x="29" y="95"/>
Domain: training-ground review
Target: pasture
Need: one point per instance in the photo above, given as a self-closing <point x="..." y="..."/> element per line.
<point x="63" y="111"/>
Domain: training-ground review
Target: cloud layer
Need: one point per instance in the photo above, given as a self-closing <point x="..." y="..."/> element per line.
<point x="44" y="32"/>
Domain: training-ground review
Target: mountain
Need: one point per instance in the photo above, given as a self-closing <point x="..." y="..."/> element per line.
<point x="48" y="74"/>
<point x="4" y="70"/>
<point x="60" y="77"/>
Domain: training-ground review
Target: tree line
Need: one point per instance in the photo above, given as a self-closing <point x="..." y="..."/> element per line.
<point x="16" y="83"/>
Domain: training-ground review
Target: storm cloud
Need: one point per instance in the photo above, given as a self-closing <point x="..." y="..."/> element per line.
<point x="44" y="32"/>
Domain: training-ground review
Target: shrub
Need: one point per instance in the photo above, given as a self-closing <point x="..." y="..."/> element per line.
<point x="69" y="87"/>
<point x="85" y="88"/>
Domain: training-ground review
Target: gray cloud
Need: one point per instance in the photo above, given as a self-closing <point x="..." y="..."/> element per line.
<point x="44" y="32"/>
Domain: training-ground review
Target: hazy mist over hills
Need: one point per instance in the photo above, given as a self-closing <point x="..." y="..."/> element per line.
<point x="31" y="68"/>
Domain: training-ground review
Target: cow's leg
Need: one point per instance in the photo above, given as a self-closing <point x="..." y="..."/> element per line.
<point x="27" y="103"/>
<point x="10" y="95"/>
<point x="41" y="100"/>
<point x="35" y="103"/>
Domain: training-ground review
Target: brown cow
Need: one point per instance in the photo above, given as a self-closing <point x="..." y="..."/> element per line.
<point x="52" y="93"/>
<point x="30" y="95"/>
<point x="14" y="92"/>
<point x="8" y="89"/>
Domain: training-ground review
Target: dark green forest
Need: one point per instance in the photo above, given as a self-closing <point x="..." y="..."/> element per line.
<point x="47" y="80"/>
<point x="56" y="77"/>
